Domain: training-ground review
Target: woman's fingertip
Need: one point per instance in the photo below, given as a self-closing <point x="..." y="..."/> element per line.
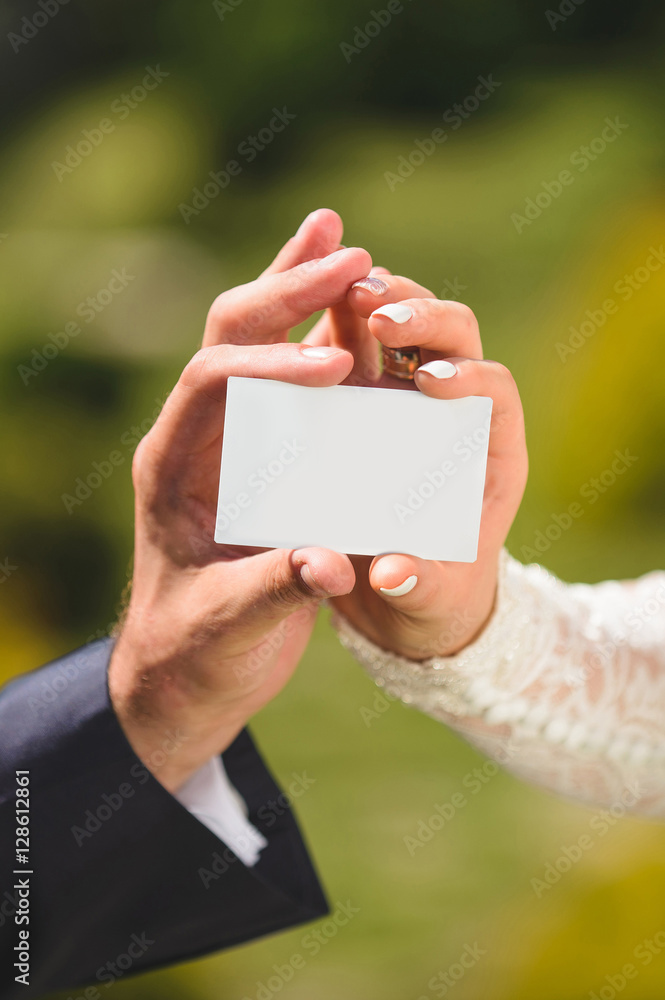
<point x="371" y="284"/>
<point x="439" y="369"/>
<point x="398" y="312"/>
<point x="402" y="589"/>
<point x="321" y="353"/>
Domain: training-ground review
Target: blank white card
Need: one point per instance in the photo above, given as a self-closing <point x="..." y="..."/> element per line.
<point x="359" y="470"/>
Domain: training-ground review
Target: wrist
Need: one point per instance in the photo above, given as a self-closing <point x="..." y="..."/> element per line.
<point x="459" y="624"/>
<point x="172" y="733"/>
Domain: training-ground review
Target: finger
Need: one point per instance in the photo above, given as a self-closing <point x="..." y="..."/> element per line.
<point x="341" y="326"/>
<point x="406" y="582"/>
<point x="365" y="296"/>
<point x="438" y="326"/>
<point x="430" y="597"/>
<point x="457" y="377"/>
<point x="193" y="414"/>
<point x="272" y="584"/>
<point x="349" y="332"/>
<point x="264" y="589"/>
<point x="319" y="235"/>
<point x="264" y="310"/>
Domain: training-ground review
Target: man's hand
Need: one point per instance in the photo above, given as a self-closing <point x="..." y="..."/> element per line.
<point x="212" y="633"/>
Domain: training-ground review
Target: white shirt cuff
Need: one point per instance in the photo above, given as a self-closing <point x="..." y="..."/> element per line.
<point x="210" y="796"/>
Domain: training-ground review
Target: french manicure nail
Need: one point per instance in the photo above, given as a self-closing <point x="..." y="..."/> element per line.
<point x="404" y="588"/>
<point x="439" y="369"/>
<point x="396" y="311"/>
<point x="371" y="284"/>
<point x="320" y="352"/>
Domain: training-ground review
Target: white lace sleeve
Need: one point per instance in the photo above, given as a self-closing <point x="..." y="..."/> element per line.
<point x="565" y="686"/>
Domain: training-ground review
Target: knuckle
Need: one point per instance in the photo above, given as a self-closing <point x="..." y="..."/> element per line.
<point x="238" y="313"/>
<point x="276" y="352"/>
<point x="467" y="315"/>
<point x="139" y="462"/>
<point x="221" y="306"/>
<point x="503" y="373"/>
<point x="282" y="589"/>
<point x="200" y="368"/>
<point x="196" y="366"/>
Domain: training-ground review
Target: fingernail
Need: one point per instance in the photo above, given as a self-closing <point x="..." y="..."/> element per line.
<point x="320" y="352"/>
<point x="308" y="579"/>
<point x="439" y="369"/>
<point x="404" y="588"/>
<point x="396" y="311"/>
<point x="373" y="285"/>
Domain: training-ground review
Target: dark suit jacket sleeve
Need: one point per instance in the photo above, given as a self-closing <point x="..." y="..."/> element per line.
<point x="124" y="878"/>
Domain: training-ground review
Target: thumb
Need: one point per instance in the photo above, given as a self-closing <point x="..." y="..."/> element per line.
<point x="406" y="582"/>
<point x="441" y="606"/>
<point x="272" y="585"/>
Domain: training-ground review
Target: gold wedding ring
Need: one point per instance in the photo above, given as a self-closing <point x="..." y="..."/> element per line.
<point x="401" y="362"/>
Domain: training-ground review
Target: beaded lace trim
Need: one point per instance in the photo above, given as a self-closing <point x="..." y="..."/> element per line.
<point x="565" y="685"/>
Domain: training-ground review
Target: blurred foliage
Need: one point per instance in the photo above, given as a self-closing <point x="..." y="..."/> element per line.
<point x="448" y="225"/>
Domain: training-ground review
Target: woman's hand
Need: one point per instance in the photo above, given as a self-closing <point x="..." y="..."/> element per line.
<point x="212" y="633"/>
<point x="414" y="607"/>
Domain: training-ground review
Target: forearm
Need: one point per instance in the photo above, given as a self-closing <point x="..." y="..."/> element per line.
<point x="565" y="686"/>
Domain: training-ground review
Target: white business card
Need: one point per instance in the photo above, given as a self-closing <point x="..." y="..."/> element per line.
<point x="360" y="470"/>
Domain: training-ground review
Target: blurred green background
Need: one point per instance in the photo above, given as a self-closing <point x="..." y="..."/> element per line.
<point x="451" y="225"/>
